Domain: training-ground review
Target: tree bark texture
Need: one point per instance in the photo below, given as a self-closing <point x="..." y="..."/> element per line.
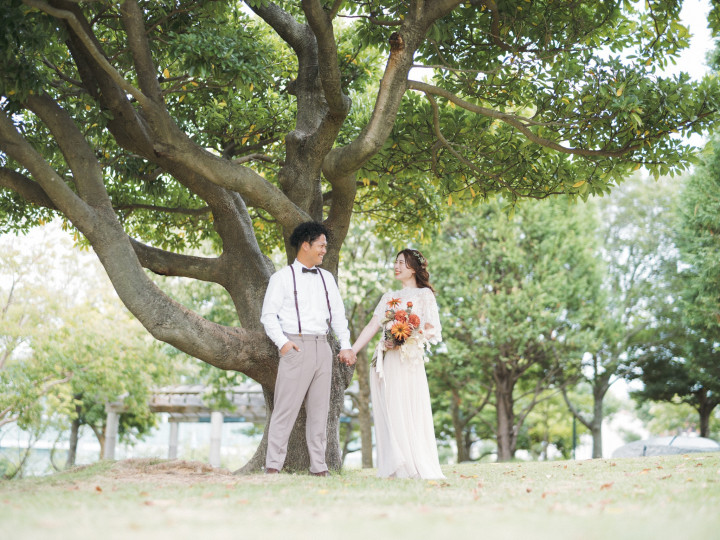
<point x="504" y="405"/>
<point x="362" y="368"/>
<point x="73" y="443"/>
<point x="463" y="451"/>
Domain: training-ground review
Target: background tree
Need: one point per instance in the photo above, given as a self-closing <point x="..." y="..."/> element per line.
<point x="63" y="363"/>
<point x="636" y="248"/>
<point x="685" y="365"/>
<point x="149" y="126"/>
<point x="516" y="293"/>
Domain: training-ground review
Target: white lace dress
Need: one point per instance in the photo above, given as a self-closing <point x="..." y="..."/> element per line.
<point x="404" y="433"/>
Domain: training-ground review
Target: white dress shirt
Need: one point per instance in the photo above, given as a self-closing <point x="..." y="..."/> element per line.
<point x="279" y="315"/>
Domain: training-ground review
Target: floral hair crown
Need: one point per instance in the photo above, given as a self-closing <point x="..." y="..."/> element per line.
<point x="419" y="256"/>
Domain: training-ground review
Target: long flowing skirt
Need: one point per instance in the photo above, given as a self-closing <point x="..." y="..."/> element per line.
<point x="404" y="433"/>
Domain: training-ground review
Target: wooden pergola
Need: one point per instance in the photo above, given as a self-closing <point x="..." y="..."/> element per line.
<point x="187" y="404"/>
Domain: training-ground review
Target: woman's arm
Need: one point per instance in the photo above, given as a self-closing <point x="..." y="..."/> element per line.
<point x="366" y="335"/>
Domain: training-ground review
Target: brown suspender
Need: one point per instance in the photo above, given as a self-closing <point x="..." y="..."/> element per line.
<point x="297" y="307"/>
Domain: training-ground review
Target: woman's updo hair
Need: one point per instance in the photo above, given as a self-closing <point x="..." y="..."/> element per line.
<point x="417" y="262"/>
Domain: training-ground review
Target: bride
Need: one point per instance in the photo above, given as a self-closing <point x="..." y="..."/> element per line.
<point x="404" y="433"/>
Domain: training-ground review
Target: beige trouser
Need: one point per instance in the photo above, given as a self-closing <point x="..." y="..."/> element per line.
<point x="303" y="375"/>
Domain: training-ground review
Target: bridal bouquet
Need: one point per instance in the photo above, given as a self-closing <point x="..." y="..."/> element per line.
<point x="401" y="329"/>
<point x="400" y="326"/>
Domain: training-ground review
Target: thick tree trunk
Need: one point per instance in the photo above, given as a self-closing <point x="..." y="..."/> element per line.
<point x="72" y="450"/>
<point x="704" y="422"/>
<point x="506" y="435"/>
<point x="600" y="389"/>
<point x="463" y="453"/>
<point x="596" y="427"/>
<point x="364" y="417"/>
<point x="705" y="409"/>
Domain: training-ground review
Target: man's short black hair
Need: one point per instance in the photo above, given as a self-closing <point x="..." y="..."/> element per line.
<point x="307" y="232"/>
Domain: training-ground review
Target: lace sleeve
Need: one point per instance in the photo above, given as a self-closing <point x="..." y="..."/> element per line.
<point x="382" y="306"/>
<point x="432" y="317"/>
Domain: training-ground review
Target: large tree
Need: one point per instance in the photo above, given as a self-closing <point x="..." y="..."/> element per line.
<point x="59" y="362"/>
<point x="684" y="364"/>
<point x="151" y="125"/>
<point x="516" y="296"/>
<point x="636" y="247"/>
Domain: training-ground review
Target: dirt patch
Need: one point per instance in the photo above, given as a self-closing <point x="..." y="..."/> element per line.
<point x="163" y="472"/>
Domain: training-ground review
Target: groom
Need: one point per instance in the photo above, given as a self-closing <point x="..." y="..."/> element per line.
<point x="302" y="304"/>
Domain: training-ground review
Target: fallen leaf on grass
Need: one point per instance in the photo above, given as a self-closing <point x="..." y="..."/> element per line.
<point x="465" y="476"/>
<point x="144" y="494"/>
<point x="243" y="501"/>
<point x="98" y="489"/>
<point x="698" y="464"/>
<point x="528" y="490"/>
<point x="607" y="486"/>
<point x="665" y="477"/>
<point x="163" y="503"/>
<point x="645" y="471"/>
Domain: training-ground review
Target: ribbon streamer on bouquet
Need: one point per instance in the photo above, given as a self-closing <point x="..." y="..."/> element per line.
<point x="378" y="359"/>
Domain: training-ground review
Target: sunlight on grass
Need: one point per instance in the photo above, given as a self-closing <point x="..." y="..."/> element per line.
<point x="663" y="497"/>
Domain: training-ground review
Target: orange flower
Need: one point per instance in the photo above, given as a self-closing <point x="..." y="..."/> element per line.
<point x="401" y="315"/>
<point x="409" y="304"/>
<point x="414" y="320"/>
<point x="394" y="302"/>
<point x="401" y="331"/>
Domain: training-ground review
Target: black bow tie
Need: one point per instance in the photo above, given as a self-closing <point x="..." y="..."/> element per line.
<point x="311" y="270"/>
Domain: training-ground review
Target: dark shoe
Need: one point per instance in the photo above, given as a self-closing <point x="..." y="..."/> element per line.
<point x="323" y="473"/>
<point x="270" y="470"/>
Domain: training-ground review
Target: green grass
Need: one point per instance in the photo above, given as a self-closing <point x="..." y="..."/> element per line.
<point x="674" y="497"/>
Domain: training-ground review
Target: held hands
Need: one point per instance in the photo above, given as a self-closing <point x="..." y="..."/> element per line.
<point x="347" y="356"/>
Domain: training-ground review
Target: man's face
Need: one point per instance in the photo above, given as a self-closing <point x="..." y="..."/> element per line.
<point x="316" y="251"/>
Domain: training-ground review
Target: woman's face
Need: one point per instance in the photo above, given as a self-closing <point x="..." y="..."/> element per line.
<point x="402" y="271"/>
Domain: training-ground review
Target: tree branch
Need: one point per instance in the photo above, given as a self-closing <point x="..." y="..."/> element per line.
<point x="347" y="159"/>
<point x="321" y="25"/>
<point x="99" y="57"/>
<point x="291" y="31"/>
<point x="166" y="263"/>
<point x="575" y="412"/>
<point x="87" y="172"/>
<point x="15" y="146"/>
<point x="26" y="188"/>
<point x="137" y="40"/>
<point x="458" y="155"/>
<point x="518" y="122"/>
<point x="167" y="210"/>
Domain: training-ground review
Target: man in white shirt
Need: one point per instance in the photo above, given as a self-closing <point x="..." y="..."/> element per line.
<point x="302" y="303"/>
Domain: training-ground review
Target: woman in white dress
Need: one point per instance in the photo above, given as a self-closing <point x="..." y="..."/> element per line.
<point x="404" y="433"/>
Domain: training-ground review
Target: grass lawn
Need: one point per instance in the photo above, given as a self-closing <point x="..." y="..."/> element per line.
<point x="673" y="497"/>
